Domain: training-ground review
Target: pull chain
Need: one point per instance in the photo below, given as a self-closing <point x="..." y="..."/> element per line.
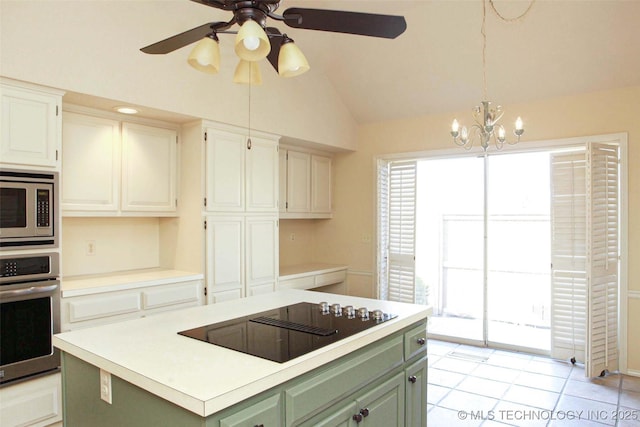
<point x="249" y="118"/>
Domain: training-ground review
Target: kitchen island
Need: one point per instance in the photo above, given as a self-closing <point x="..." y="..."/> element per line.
<point x="158" y="377"/>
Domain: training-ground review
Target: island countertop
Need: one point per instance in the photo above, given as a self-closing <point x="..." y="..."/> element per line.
<point x="206" y="378"/>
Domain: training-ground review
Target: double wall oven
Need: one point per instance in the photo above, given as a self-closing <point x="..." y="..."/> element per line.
<point x="29" y="274"/>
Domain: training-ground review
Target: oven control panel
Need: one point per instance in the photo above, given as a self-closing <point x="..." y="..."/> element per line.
<point x="28" y="267"/>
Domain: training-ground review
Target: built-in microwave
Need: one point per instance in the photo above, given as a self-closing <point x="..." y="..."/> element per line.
<point x="27" y="209"/>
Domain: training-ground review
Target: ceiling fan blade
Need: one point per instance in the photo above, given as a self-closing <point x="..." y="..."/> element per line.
<point x="275" y="38"/>
<point x="365" y="24"/>
<point x="180" y="40"/>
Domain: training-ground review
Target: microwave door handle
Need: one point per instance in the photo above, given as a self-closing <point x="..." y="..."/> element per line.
<point x="28" y="291"/>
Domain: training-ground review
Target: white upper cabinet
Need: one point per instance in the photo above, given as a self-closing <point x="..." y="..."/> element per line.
<point x="30" y="126"/>
<point x="320" y="184"/>
<point x="305" y="185"/>
<point x="149" y="168"/>
<point x="241" y="173"/>
<point x="114" y="168"/>
<point x="91" y="163"/>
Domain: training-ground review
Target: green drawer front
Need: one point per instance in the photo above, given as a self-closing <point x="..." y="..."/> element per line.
<point x="415" y="341"/>
<point x="323" y="388"/>
<point x="265" y="412"/>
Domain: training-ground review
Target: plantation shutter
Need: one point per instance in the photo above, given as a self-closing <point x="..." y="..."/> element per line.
<point x="383" y="230"/>
<point x="602" y="254"/>
<point x="402" y="225"/>
<point x="584" y="274"/>
<point x="568" y="256"/>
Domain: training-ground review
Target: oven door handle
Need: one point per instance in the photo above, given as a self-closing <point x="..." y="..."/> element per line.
<point x="29" y="291"/>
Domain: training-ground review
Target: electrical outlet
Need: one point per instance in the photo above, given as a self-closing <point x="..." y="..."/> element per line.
<point x="105" y="386"/>
<point x="90" y="247"/>
<point x="292" y="236"/>
<point x="366" y="238"/>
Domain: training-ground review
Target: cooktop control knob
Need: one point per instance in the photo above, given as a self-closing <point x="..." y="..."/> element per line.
<point x="336" y="310"/>
<point x="363" y="313"/>
<point x="324" y="307"/>
<point x="377" y="314"/>
<point x="349" y="311"/>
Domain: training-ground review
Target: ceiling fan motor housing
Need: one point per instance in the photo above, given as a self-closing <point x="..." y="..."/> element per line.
<point x="256" y="10"/>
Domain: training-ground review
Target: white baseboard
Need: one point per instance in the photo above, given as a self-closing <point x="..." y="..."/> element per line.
<point x="633" y="373"/>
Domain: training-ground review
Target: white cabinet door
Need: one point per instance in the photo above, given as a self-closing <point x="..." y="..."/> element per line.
<point x="225" y="256"/>
<point x="262" y="177"/>
<point x="149" y="168"/>
<point x="30" y="130"/>
<point x="262" y="252"/>
<point x="225" y="171"/>
<point x="34" y="403"/>
<point x="91" y="163"/>
<point x="298" y="182"/>
<point x="320" y="184"/>
<point x="282" y="167"/>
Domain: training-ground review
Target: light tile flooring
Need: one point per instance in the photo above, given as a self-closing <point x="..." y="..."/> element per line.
<point x="473" y="386"/>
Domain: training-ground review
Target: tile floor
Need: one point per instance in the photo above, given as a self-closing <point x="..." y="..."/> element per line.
<point x="473" y="386"/>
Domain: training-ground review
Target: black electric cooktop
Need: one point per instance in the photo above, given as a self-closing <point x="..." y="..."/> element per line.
<point x="287" y="332"/>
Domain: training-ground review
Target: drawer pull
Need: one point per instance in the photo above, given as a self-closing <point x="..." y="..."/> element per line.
<point x="357" y="418"/>
<point x="259" y="425"/>
<point x="364" y="412"/>
<point x="421" y="341"/>
<point x="413" y="379"/>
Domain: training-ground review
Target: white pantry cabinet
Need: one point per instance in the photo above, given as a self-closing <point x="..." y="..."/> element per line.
<point x="305" y="184"/>
<point x="242" y="256"/>
<point x="30" y="125"/>
<point x="114" y="168"/>
<point x="241" y="172"/>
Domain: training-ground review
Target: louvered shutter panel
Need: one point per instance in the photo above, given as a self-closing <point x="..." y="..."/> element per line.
<point x="383" y="229"/>
<point x="568" y="256"/>
<point x="602" y="254"/>
<point x="402" y="224"/>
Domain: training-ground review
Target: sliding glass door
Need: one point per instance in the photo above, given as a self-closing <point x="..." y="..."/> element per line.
<point x="482" y="248"/>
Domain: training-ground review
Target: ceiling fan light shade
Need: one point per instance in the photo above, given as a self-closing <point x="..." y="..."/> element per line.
<point x="205" y="56"/>
<point x="252" y="43"/>
<point x="247" y="72"/>
<point x="291" y="60"/>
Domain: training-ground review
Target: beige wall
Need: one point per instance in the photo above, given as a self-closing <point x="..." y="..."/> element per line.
<point x="92" y="47"/>
<point x="341" y="239"/>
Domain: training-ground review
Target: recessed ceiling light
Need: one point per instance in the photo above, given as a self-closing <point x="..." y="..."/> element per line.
<point x="126" y="110"/>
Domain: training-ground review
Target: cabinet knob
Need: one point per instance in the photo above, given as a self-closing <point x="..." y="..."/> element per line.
<point x="422" y="341"/>
<point x="357" y="418"/>
<point x="364" y="412"/>
<point x="413" y="379"/>
<point x="259" y="425"/>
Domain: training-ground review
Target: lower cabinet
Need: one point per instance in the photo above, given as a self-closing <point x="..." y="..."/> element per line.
<point x="33" y="403"/>
<point x="113" y="306"/>
<point x="416" y="393"/>
<point x="264" y="413"/>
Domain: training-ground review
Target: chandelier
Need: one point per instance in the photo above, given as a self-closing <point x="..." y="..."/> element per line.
<point x="486" y="116"/>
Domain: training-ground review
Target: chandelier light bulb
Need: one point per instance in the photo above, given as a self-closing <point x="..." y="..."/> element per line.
<point x="455" y="126"/>
<point x="464" y="134"/>
<point x="251" y="43"/>
<point x="519" y="124"/>
<point x="501" y="133"/>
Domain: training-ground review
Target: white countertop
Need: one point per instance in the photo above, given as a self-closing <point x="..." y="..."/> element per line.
<point x="206" y="378"/>
<point x="302" y="270"/>
<point x="93" y="284"/>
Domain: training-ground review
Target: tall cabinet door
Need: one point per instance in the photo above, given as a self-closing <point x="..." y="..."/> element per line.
<point x="225" y="258"/>
<point x="320" y="184"/>
<point x="149" y="168"/>
<point x="91" y="163"/>
<point x="225" y="166"/>
<point x="261" y="254"/>
<point x="30" y="127"/>
<point x="262" y="175"/>
<point x="298" y="182"/>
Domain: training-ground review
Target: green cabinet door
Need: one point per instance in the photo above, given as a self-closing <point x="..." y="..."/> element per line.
<point x="383" y="406"/>
<point x="266" y="413"/>
<point x="416" y="394"/>
<point x="339" y="415"/>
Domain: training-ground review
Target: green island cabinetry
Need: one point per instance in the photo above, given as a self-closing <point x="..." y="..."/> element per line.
<point x="383" y="384"/>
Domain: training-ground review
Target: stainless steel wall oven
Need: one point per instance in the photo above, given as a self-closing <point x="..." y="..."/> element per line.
<point x="28" y="214"/>
<point x="29" y="315"/>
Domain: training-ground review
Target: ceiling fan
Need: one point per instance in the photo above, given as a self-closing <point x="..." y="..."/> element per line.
<point x="255" y="40"/>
